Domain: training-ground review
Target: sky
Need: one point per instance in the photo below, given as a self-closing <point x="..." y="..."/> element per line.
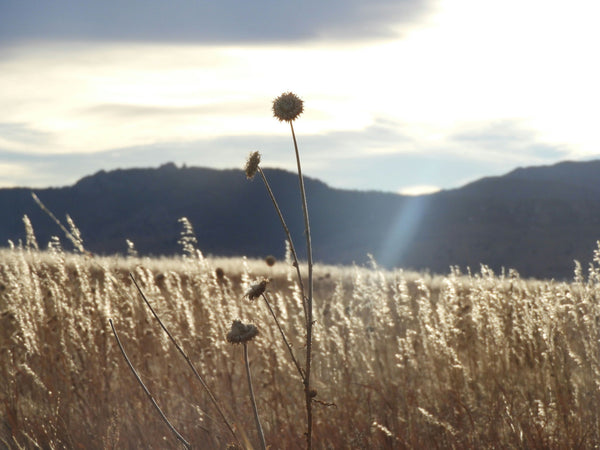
<point x="407" y="96"/>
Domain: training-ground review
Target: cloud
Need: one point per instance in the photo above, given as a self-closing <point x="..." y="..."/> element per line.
<point x="124" y="111"/>
<point x="204" y="21"/>
<point x="383" y="156"/>
<point x="20" y="134"/>
<point x="508" y="138"/>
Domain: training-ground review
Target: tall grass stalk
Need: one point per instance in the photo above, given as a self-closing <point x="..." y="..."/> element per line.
<point x="74" y="237"/>
<point x="146" y="391"/>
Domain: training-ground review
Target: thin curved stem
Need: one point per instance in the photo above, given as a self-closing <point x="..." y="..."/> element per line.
<point x="259" y="429"/>
<point x="146" y="391"/>
<point x="289" y="347"/>
<point x="289" y="239"/>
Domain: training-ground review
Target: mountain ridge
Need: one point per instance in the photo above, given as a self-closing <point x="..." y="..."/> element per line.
<point x="536" y="220"/>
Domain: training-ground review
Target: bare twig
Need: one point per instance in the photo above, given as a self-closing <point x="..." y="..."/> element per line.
<point x="148" y="394"/>
<point x="187" y="359"/>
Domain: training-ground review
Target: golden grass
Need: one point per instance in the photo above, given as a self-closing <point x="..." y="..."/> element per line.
<point x="401" y="360"/>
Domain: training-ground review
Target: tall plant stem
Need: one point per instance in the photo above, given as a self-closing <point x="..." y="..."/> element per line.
<point x="259" y="429"/>
<point x="309" y="314"/>
<point x="289" y="238"/>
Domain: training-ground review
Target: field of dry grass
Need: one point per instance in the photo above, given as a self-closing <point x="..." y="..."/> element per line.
<point x="401" y="360"/>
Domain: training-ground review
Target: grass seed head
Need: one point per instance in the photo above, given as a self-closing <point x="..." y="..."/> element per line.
<point x="287" y="107"/>
<point x="241" y="333"/>
<point x="252" y="165"/>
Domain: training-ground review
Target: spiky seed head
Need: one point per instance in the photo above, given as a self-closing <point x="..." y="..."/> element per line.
<point x="256" y="290"/>
<point x="287" y="107"/>
<point x="252" y="165"/>
<point x="270" y="260"/>
<point x="241" y="333"/>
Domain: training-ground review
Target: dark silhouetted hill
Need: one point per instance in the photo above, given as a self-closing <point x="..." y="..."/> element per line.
<point x="536" y="220"/>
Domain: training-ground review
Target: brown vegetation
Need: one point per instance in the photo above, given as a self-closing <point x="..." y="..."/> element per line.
<point x="401" y="360"/>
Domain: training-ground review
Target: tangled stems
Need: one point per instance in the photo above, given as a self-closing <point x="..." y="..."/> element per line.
<point x="187" y="359"/>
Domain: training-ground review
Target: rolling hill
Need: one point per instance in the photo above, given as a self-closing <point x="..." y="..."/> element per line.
<point x="536" y="220"/>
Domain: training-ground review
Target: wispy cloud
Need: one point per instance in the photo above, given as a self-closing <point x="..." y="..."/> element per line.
<point x="137" y="111"/>
<point x="20" y="135"/>
<point x="343" y="159"/>
<point x="509" y="139"/>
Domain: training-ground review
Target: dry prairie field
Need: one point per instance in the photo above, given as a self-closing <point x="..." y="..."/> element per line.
<point x="401" y="359"/>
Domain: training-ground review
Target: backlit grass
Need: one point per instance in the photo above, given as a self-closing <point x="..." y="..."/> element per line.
<point x="401" y="360"/>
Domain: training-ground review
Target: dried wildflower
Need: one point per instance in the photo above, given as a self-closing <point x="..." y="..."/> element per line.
<point x="241" y="333"/>
<point x="256" y="290"/>
<point x="287" y="107"/>
<point x="270" y="260"/>
<point x="252" y="165"/>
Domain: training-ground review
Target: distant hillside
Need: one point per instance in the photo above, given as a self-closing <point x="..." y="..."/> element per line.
<point x="536" y="220"/>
